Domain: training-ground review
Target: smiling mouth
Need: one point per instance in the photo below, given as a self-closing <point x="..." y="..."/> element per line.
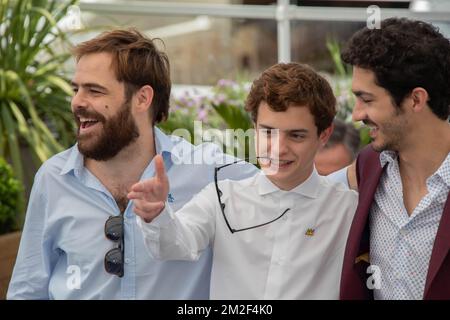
<point x="373" y="129"/>
<point x="87" y="123"/>
<point x="275" y="162"/>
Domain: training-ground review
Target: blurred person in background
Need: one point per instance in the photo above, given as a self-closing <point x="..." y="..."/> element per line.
<point x="340" y="150"/>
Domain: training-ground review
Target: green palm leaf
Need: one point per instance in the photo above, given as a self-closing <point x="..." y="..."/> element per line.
<point x="34" y="93"/>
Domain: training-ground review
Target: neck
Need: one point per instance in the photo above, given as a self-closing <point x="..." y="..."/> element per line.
<point x="129" y="164"/>
<point x="292" y="184"/>
<point x="425" y="151"/>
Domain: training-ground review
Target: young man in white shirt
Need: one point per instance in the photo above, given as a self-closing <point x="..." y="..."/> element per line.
<point x="280" y="234"/>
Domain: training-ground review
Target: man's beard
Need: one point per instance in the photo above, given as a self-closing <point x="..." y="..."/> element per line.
<point x="391" y="134"/>
<point x="117" y="133"/>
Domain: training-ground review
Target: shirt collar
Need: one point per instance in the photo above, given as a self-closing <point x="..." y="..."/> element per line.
<point x="309" y="188"/>
<point x="264" y="185"/>
<point x="163" y="144"/>
<point x="444" y="170"/>
<point x="387" y="156"/>
<point x="75" y="162"/>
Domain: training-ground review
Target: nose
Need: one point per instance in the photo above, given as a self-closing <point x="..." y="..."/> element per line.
<point x="78" y="100"/>
<point x="283" y="143"/>
<point x="359" y="112"/>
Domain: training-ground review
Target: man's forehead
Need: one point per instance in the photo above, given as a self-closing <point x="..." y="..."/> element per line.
<point x="96" y="64"/>
<point x="363" y="76"/>
<point x="364" y="82"/>
<point x="95" y="69"/>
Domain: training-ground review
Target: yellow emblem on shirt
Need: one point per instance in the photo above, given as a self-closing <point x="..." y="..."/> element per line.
<point x="309" y="232"/>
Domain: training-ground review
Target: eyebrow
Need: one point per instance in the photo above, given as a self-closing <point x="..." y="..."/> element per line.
<point x="263" y="126"/>
<point x="89" y="85"/>
<point x="360" y="93"/>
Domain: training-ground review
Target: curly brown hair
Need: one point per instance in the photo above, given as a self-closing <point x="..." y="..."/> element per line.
<point x="405" y="54"/>
<point x="293" y="84"/>
<point x="136" y="62"/>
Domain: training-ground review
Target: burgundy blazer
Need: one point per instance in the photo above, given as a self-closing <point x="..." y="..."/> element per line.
<point x="354" y="269"/>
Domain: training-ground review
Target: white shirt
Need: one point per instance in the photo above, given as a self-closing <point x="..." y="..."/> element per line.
<point x="63" y="245"/>
<point x="401" y="245"/>
<point x="297" y="257"/>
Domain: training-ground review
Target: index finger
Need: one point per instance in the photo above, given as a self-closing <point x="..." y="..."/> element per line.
<point x="159" y="168"/>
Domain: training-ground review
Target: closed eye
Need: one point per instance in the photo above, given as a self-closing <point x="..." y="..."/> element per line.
<point x="364" y="100"/>
<point x="298" y="136"/>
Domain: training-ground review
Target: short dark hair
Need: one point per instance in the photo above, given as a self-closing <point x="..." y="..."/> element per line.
<point x="287" y="84"/>
<point x="346" y="134"/>
<point x="405" y="54"/>
<point x="137" y="62"/>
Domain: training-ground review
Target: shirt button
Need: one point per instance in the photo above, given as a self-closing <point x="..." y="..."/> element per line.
<point x="127" y="260"/>
<point x="403" y="232"/>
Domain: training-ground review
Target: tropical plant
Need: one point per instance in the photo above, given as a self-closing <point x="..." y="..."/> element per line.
<point x="10" y="190"/>
<point x="34" y="91"/>
<point x="222" y="107"/>
<point x="187" y="108"/>
<point x="342" y="90"/>
<point x="229" y="100"/>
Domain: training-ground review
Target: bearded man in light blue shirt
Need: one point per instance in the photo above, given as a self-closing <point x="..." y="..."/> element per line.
<point x="80" y="239"/>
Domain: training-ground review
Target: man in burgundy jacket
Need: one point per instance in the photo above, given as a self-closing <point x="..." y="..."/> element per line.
<point x="399" y="242"/>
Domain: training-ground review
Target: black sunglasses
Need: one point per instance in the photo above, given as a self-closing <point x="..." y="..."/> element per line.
<point x="114" y="257"/>
<point x="222" y="205"/>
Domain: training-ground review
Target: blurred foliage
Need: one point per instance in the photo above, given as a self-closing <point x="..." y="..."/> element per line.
<point x="342" y="88"/>
<point x="221" y="108"/>
<point x="10" y="191"/>
<point x="34" y="92"/>
<point x="229" y="102"/>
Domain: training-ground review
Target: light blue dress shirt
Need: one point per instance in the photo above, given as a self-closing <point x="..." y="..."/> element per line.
<point x="61" y="253"/>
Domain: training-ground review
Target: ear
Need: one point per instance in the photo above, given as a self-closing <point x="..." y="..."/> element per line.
<point x="144" y="98"/>
<point x="325" y="135"/>
<point x="419" y="97"/>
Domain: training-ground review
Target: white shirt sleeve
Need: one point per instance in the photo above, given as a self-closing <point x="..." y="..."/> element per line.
<point x="339" y="176"/>
<point x="184" y="234"/>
